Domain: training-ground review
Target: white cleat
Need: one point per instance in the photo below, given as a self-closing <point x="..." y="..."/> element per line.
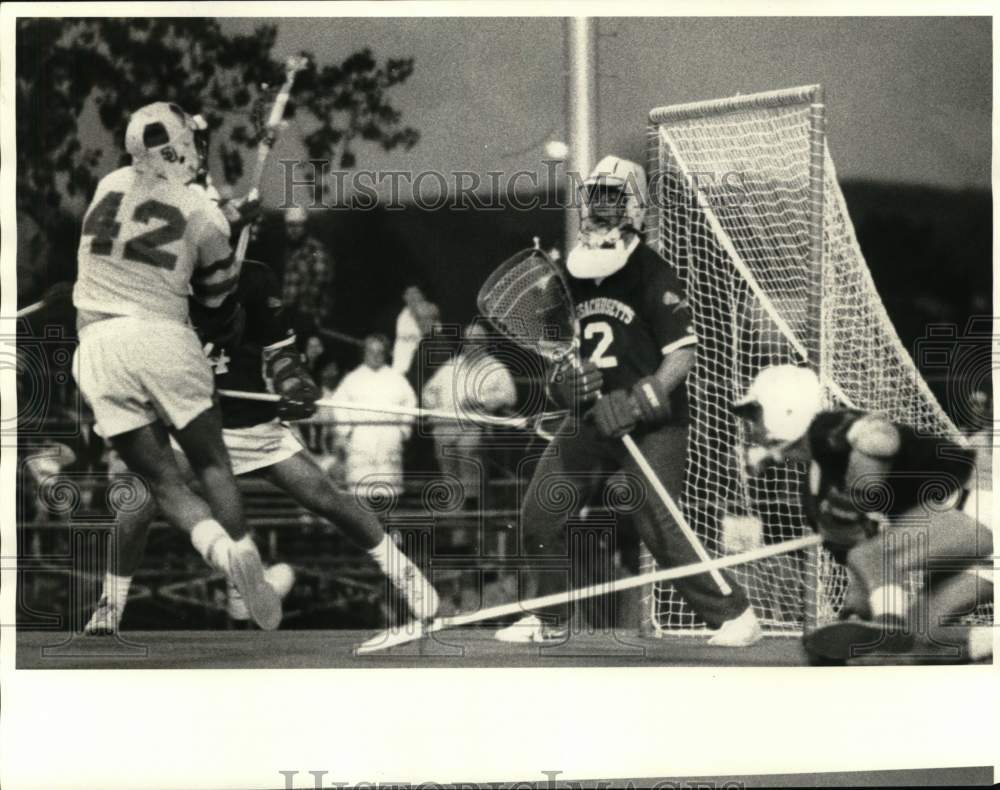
<point x="105" y="619"/>
<point x="421" y="597"/>
<point x="281" y="577"/>
<point x="531" y="629"/>
<point x="247" y="573"/>
<point x="741" y="631"/>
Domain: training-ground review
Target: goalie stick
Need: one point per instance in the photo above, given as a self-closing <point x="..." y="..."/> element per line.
<point x="417" y="630"/>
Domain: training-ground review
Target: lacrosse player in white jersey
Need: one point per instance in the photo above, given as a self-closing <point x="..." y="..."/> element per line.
<point x="151" y="238"/>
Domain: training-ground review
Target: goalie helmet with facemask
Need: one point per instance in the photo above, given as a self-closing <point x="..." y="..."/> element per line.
<point x="166" y="142"/>
<point x="612" y="210"/>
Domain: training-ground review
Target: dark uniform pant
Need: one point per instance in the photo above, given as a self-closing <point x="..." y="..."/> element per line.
<point x="575" y="468"/>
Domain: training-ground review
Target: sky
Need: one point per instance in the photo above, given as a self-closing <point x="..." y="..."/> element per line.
<point x="908" y="99"/>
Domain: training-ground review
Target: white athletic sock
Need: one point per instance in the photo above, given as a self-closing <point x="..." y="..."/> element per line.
<point x="389" y="558"/>
<point x="889" y="599"/>
<point x="116" y="588"/>
<point x="212" y="543"/>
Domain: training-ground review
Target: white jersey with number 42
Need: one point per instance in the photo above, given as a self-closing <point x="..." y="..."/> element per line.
<point x="146" y="245"/>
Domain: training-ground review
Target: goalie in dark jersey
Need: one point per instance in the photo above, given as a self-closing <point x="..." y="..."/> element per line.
<point x="637" y="343"/>
<point x="890" y="503"/>
<point x="252" y="349"/>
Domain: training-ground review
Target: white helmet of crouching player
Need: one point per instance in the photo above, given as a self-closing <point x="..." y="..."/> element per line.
<point x="778" y="408"/>
<point x="163" y="141"/>
<point x="612" y="211"/>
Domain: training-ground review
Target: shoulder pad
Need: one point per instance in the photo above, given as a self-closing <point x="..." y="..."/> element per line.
<point x="874" y="435"/>
<point x="116" y="178"/>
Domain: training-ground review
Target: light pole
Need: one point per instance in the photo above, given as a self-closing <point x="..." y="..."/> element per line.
<point x="581" y="112"/>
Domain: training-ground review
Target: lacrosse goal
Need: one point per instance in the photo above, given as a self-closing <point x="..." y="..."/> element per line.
<point x="747" y="206"/>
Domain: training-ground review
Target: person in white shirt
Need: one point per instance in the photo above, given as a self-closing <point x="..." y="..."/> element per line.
<point x="408" y="332"/>
<point x="415" y="322"/>
<point x="471" y="383"/>
<point x="373" y="440"/>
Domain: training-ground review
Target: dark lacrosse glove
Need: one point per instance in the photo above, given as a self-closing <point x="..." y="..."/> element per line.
<point x="241" y="213"/>
<point x="569" y="384"/>
<point x="292" y="382"/>
<point x="614" y="415"/>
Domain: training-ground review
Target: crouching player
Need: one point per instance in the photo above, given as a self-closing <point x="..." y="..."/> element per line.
<point x="885" y="500"/>
<point x="148" y="239"/>
<point x="251" y="349"/>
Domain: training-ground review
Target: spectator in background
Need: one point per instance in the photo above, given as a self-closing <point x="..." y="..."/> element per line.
<point x="319" y="432"/>
<point x="308" y="282"/>
<point x="329" y="379"/>
<point x="422" y="362"/>
<point x="313" y="352"/>
<point x="32" y="259"/>
<point x="373" y="440"/>
<point x="473" y="383"/>
<point x="424" y="358"/>
<point x="416" y="321"/>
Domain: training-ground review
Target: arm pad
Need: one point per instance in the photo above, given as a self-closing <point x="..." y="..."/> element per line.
<point x="652" y="404"/>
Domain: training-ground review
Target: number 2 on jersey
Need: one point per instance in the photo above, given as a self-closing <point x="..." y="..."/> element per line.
<point x="102" y="223"/>
<point x="600" y="357"/>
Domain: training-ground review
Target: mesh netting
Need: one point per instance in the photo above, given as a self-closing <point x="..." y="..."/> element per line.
<point x="734" y="212"/>
<point x="528" y="300"/>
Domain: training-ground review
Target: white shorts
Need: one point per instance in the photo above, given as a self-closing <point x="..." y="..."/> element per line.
<point x="260" y="446"/>
<point x="134" y="371"/>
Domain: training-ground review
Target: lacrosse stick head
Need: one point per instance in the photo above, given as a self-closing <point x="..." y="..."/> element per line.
<point x="528" y="300"/>
<point x="294" y="64"/>
<point x="268" y="110"/>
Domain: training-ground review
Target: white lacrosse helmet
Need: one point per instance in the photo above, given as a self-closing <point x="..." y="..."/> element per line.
<point x="788" y="398"/>
<point x="161" y="140"/>
<point x="612" y="212"/>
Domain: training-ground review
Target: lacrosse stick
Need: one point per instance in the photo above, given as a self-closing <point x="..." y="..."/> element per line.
<point x="293" y="66"/>
<point x="528" y="299"/>
<point x="31" y="309"/>
<point x="418" y="629"/>
<point x="57" y="292"/>
<point x="523" y="423"/>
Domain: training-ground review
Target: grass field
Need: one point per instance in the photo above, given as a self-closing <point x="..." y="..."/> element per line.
<point x="456" y="648"/>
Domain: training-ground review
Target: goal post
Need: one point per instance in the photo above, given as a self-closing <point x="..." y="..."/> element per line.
<point x="747" y="208"/>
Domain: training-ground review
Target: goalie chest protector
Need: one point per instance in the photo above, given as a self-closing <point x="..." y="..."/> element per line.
<point x="631" y="319"/>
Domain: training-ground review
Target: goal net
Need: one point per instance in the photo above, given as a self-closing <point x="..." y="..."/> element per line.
<point x="746" y="205"/>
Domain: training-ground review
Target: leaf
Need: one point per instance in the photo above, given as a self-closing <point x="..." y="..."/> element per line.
<point x="122" y="64"/>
